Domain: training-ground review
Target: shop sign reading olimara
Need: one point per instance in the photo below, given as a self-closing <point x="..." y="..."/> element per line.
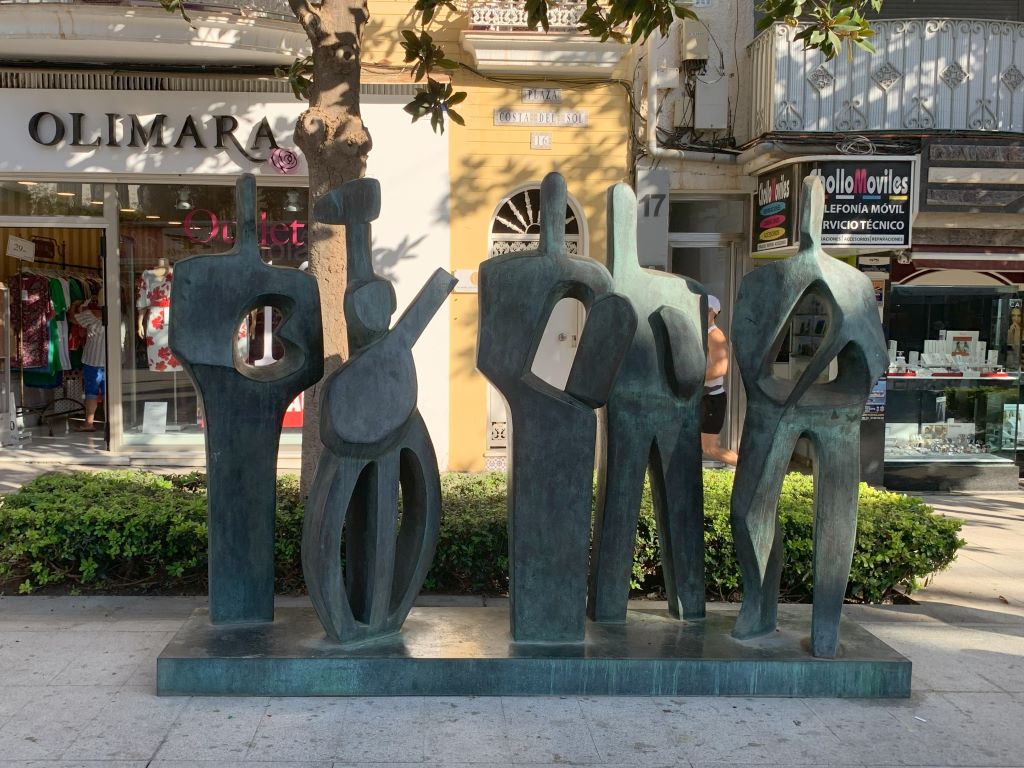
<point x="115" y="130"/>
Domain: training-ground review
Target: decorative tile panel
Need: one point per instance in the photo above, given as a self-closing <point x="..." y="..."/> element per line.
<point x="821" y="78"/>
<point x="1012" y="78"/>
<point x="953" y="75"/>
<point x="886" y="76"/>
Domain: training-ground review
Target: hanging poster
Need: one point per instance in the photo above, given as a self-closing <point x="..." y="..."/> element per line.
<point x="867" y="202"/>
<point x="774" y="211"/>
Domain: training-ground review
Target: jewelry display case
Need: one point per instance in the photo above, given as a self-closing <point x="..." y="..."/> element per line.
<point x="953" y="388"/>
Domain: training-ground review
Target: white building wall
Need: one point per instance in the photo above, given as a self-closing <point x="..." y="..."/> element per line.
<point x="411" y="237"/>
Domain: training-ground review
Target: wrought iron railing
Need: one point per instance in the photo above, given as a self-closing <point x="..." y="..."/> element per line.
<point x="927" y="74"/>
<point x="507" y="15"/>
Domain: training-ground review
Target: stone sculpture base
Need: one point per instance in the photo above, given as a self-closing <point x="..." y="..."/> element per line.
<point x="467" y="651"/>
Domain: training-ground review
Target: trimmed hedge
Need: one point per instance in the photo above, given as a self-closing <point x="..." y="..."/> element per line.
<point x="135" y="531"/>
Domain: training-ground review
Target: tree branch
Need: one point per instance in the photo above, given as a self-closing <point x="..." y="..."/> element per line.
<point x="308" y="17"/>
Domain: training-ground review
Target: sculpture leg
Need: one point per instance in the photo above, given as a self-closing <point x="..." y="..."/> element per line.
<point x="243" y="429"/>
<point x="329" y="499"/>
<point x="836" y="479"/>
<point x="549" y="502"/>
<point x="421" y="520"/>
<point x="765" y="452"/>
<point x="678" y="489"/>
<point x="620" y="488"/>
<point x="370" y="539"/>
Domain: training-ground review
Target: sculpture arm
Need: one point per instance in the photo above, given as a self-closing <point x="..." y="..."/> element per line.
<point x="419" y="313"/>
<point x="607" y="334"/>
<point x="687" y="350"/>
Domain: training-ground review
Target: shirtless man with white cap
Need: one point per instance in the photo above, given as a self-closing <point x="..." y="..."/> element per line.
<point x="713" y="405"/>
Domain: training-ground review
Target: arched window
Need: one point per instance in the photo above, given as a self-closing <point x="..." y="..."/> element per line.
<point x="516" y="224"/>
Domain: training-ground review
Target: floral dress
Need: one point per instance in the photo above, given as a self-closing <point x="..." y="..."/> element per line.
<point x="154" y="295"/>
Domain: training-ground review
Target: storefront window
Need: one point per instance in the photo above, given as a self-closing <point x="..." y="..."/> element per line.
<point x="31" y="198"/>
<point x="160" y="225"/>
<point x="953" y="390"/>
<point x="715" y="216"/>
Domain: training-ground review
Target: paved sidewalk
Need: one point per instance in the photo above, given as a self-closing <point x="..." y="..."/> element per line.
<point x="77" y="680"/>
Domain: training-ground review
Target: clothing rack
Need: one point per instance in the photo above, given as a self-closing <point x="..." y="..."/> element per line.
<point x="65" y="405"/>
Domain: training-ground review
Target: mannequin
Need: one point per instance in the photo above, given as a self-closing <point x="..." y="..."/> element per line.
<point x="154" y="305"/>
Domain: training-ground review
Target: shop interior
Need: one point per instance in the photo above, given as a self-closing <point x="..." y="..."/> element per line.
<point x="158" y="224"/>
<point x="954" y="375"/>
<point x="43" y="343"/>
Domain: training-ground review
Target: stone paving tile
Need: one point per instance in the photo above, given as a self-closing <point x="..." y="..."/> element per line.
<point x="382" y="730"/>
<point x="464" y="730"/>
<point x="15" y="697"/>
<point x="958" y="658"/>
<point x="929" y="729"/>
<point x="144" y="674"/>
<point x="36" y="658"/>
<point x="763" y="730"/>
<point x="683" y="764"/>
<point x="72" y="764"/>
<point x="669" y="733"/>
<point x="220" y="729"/>
<point x="49" y="722"/>
<point x="982" y="728"/>
<point x="301" y="729"/>
<point x="195" y="763"/>
<point x="548" y="730"/>
<point x="110" y="659"/>
<point x="131" y="726"/>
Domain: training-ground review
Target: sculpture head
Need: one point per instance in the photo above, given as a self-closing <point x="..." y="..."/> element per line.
<point x="811" y="216"/>
<point x="369" y="299"/>
<point x="214" y="294"/>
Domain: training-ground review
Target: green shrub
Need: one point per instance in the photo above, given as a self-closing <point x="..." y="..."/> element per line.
<point x="116" y="531"/>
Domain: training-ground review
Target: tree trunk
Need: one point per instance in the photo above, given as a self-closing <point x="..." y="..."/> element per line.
<point x="335" y="142"/>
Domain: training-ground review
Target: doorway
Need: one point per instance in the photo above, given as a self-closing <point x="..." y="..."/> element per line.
<point x="55" y="276"/>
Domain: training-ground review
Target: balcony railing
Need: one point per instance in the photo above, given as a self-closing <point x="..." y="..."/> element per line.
<point x="927" y="74"/>
<point x="507" y="15"/>
<point x="268" y="9"/>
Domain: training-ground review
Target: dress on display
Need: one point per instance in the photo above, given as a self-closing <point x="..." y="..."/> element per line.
<point x="154" y="295"/>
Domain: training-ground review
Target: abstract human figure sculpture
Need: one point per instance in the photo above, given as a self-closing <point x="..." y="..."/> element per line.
<point x="653" y="424"/>
<point x="376" y="443"/>
<point x="553" y="431"/>
<point x="243" y="405"/>
<point x="780" y="411"/>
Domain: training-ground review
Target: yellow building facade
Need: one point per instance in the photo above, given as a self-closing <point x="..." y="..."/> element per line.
<point x="536" y="104"/>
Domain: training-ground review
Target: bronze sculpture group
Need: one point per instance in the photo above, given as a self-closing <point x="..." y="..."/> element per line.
<point x="641" y="356"/>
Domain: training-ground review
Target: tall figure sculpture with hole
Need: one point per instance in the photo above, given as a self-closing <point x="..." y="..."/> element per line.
<point x="780" y="411"/>
<point x="550" y="483"/>
<point x="244" y="405"/>
<point x="653" y="427"/>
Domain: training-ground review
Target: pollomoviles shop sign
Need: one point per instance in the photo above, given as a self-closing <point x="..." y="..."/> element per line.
<point x="774" y="211"/>
<point x="867" y="202"/>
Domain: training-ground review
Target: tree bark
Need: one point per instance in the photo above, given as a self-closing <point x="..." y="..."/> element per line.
<point x="335" y="143"/>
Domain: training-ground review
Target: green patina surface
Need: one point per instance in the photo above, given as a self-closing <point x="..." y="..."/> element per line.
<point x="468" y="651"/>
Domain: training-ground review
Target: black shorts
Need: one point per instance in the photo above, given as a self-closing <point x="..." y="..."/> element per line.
<point x="712" y="413"/>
